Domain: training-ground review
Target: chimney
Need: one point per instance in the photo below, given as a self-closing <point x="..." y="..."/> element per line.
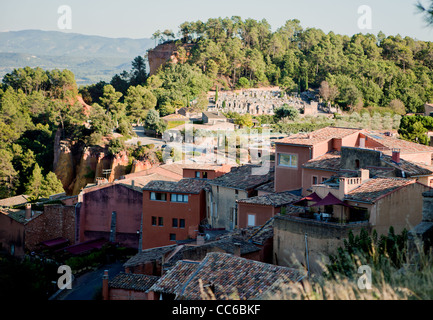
<point x="200" y="240"/>
<point x="396" y="155"/>
<point x="237" y="252"/>
<point x="105" y="290"/>
<point x="28" y="208"/>
<point x="133" y="183"/>
<point x="364" y="174"/>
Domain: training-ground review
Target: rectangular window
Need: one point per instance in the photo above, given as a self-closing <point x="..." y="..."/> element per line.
<point x="179" y="198"/>
<point x="158" y="196"/>
<point x="288" y="160"/>
<point x="204" y="175"/>
<point x="172" y="237"/>
<point x="153" y="221"/>
<point x="251" y="220"/>
<point x="197" y="174"/>
<point x="182" y="223"/>
<point x="160" y="221"/>
<point x="314" y="180"/>
<point x="174" y="222"/>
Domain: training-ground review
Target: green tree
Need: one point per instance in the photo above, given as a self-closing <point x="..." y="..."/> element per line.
<point x="35" y="185"/>
<point x="139" y="99"/>
<point x="8" y="174"/>
<point x="51" y="185"/>
<point x="286" y="111"/>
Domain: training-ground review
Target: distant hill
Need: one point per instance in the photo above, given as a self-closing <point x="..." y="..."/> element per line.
<point x="91" y="58"/>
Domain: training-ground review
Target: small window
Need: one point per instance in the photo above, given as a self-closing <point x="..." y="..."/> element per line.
<point x="236" y="191"/>
<point x="204" y="175"/>
<point x="160" y="221"/>
<point x="197" y="174"/>
<point x="179" y="198"/>
<point x="172" y="237"/>
<point x="182" y="223"/>
<point x="174" y="222"/>
<point x="288" y="160"/>
<point x="154" y="221"/>
<point x="314" y="180"/>
<point x="324" y="179"/>
<point x="158" y="196"/>
<point x="251" y="220"/>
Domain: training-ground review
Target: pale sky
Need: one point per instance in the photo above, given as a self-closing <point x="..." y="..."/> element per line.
<point x="139" y="19"/>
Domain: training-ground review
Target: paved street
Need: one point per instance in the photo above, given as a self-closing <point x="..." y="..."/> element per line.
<point x="86" y="286"/>
<point x="139" y="130"/>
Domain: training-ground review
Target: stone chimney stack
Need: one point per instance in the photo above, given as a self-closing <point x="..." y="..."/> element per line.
<point x="200" y="240"/>
<point x="105" y="290"/>
<point x="28" y="209"/>
<point x="396" y="155"/>
<point x="364" y="174"/>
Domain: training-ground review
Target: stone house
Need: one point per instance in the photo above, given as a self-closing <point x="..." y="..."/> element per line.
<point x="172" y="211"/>
<point x="295" y="151"/>
<point x="346" y="204"/>
<point x="213" y="117"/>
<point x="26" y="230"/>
<point x="223" y="192"/>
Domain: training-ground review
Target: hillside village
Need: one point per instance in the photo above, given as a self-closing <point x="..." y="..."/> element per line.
<point x="240" y="166"/>
<point x="180" y="216"/>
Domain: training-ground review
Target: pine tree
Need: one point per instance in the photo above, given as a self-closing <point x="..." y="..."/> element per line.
<point x="33" y="187"/>
<point x="51" y="185"/>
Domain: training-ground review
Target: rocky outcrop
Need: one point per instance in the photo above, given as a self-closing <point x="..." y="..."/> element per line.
<point x="163" y="53"/>
<point x="76" y="168"/>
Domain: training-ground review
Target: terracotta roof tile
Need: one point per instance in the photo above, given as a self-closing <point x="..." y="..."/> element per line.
<point x="372" y="189"/>
<point x="329" y="161"/>
<point x="272" y="199"/>
<point x="242" y="178"/>
<point x="318" y="136"/>
<point x="227" y="274"/>
<point x="187" y="185"/>
<point x="132" y="281"/>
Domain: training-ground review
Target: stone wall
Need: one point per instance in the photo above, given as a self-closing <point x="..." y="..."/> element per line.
<point x="56" y="221"/>
<point x="323" y="239"/>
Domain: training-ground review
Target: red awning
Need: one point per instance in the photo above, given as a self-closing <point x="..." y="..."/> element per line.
<point x="85" y="246"/>
<point x="55" y="242"/>
<point x="311" y="197"/>
<point x="330" y="199"/>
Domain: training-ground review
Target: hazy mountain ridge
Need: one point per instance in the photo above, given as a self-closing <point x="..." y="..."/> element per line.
<point x="91" y="58"/>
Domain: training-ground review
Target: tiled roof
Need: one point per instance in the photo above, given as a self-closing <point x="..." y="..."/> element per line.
<point x="187" y="185"/>
<point x="242" y="178"/>
<point x="272" y="199"/>
<point x="409" y="167"/>
<point x="176" y="277"/>
<point x="329" y="161"/>
<point x="213" y="115"/>
<point x="267" y="187"/>
<point x="392" y="142"/>
<point x="20" y="215"/>
<point x="14" y="201"/>
<point x="228" y="274"/>
<point x="372" y="189"/>
<point x="318" y="136"/>
<point x="132" y="281"/>
<point x="149" y="255"/>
